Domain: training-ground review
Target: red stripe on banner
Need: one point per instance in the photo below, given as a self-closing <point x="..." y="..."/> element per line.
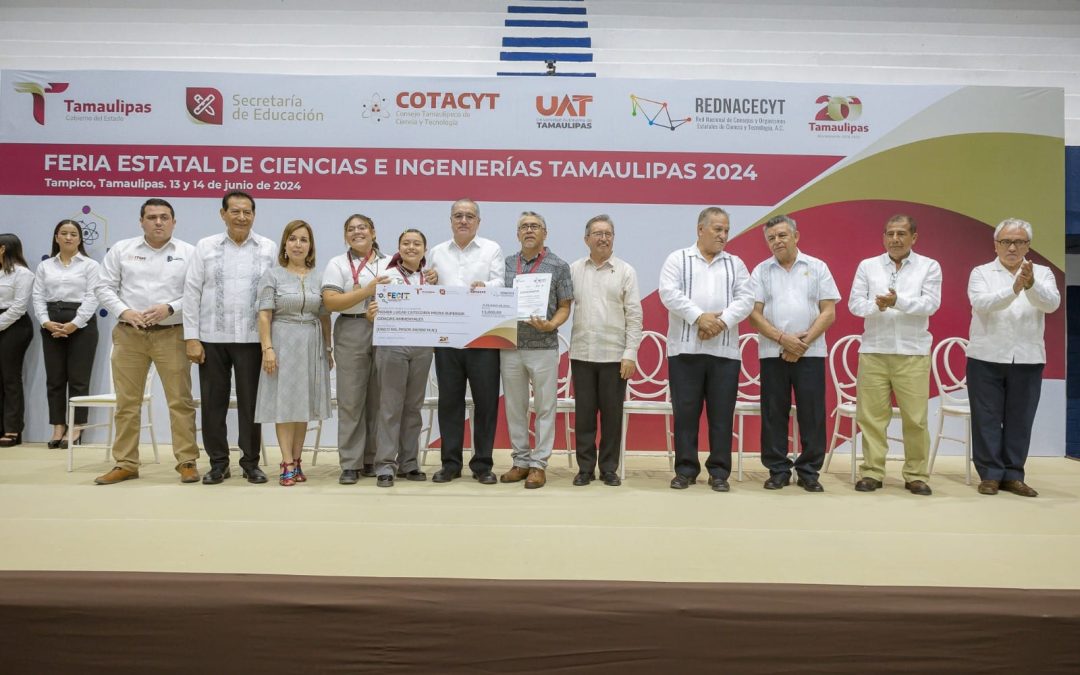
<point x="407" y="173"/>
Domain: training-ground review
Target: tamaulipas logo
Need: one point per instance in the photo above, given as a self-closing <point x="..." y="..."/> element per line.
<point x="38" y="93"/>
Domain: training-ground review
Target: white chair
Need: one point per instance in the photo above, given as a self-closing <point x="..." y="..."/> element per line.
<point x="953" y="396"/>
<point x="843" y="369"/>
<point x="564" y="403"/>
<point x="108" y="400"/>
<point x="648" y="394"/>
<point x="430" y="409"/>
<point x="316" y="425"/>
<point x="748" y="400"/>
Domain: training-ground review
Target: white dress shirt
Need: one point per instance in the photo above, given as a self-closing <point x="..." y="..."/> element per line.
<point x="75" y="283"/>
<point x="221" y="288"/>
<point x="792" y="299"/>
<point x="480" y="260"/>
<point x="607" y="311"/>
<point x="338" y="276"/>
<point x="691" y="286"/>
<point x="903" y="328"/>
<point x="1007" y="327"/>
<point x="136" y="276"/>
<point x="16" y="287"/>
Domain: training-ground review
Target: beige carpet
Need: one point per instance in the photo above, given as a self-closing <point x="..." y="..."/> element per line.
<point x="54" y="520"/>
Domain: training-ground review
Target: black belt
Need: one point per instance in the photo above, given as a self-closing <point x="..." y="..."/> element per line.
<point x="60" y="304"/>
<point x="155" y="326"/>
<point x="353" y="316"/>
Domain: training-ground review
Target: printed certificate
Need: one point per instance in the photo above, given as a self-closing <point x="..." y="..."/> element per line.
<point x="533" y="291"/>
<point x="445" y="316"/>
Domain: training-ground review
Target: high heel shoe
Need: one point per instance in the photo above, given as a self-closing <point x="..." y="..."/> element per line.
<point x="299" y="477"/>
<point x="10" y="440"/>
<point x="288" y="475"/>
<point x="77" y="441"/>
<point x="56" y="442"/>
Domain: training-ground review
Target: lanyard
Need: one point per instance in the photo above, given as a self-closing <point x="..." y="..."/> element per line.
<point x="357" y="270"/>
<point x="405" y="277"/>
<point x="539" y="259"/>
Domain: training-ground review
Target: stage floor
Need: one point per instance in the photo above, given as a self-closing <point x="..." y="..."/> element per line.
<point x="642" y="531"/>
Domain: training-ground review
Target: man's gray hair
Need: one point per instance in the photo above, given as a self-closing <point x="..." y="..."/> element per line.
<point x="465" y="200"/>
<point x="709" y="212"/>
<point x="534" y="214"/>
<point x="1011" y="223"/>
<point x="602" y="218"/>
<point x="780" y="219"/>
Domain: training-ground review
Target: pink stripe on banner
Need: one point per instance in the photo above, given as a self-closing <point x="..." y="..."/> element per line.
<point x="407" y="173"/>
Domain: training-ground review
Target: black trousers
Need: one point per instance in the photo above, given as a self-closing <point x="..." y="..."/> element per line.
<point x="597" y="388"/>
<point x="480" y="369"/>
<point x="69" y="362"/>
<point x="14" y="341"/>
<point x="1003" y="399"/>
<point x="215" y="389"/>
<point x="712" y="382"/>
<point x="807" y="378"/>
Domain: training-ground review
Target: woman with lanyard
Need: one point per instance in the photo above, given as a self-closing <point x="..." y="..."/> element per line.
<point x="403" y="374"/>
<point x="348" y="284"/>
<point x="16" y="332"/>
<point x="294" y="330"/>
<point x="64" y="303"/>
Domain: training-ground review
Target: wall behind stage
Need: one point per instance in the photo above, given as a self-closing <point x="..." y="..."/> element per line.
<point x="841" y="158"/>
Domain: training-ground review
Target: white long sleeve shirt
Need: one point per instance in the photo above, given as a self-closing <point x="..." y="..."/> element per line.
<point x="904" y="328"/>
<point x="607" y="311"/>
<point x="480" y="260"/>
<point x="691" y="286"/>
<point x="16" y="287"/>
<point x="1007" y="327"/>
<point x="221" y="288"/>
<point x="75" y="283"/>
<point x="136" y="276"/>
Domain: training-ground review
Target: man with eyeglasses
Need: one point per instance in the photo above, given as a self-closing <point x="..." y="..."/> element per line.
<point x="535" y="362"/>
<point x="221" y="328"/>
<point x="1010" y="298"/>
<point x="895" y="293"/>
<point x="472" y="261"/>
<point x="794" y="304"/>
<point x="603" y="349"/>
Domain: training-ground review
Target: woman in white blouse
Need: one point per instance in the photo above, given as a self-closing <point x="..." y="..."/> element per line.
<point x="64" y="304"/>
<point x="16" y="331"/>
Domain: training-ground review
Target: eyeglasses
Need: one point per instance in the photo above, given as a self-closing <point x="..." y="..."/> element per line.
<point x="602" y="235"/>
<point x="526" y="227"/>
<point x="1009" y="243"/>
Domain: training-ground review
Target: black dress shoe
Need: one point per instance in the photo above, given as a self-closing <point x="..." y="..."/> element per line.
<point x="611" y="478"/>
<point x="445" y="476"/>
<point x="583" y="479"/>
<point x="415" y="475"/>
<point x="867" y="485"/>
<point x="719" y="485"/>
<point x="368" y="471"/>
<point x="255" y="475"/>
<point x="681" y="482"/>
<point x="918" y="487"/>
<point x="486" y="477"/>
<point x="385" y="480"/>
<point x="53" y="445"/>
<point x="810" y="484"/>
<point x="10" y="440"/>
<point x="777" y="481"/>
<point x="349" y="477"/>
<point x="216" y="475"/>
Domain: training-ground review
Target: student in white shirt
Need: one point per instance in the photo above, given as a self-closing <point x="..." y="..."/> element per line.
<point x="16" y="332"/>
<point x="142" y="285"/>
<point x="794" y="304"/>
<point x="65" y="303"/>
<point x="1010" y="298"/>
<point x="707" y="293"/>
<point x="604" y="342"/>
<point x="896" y="293"/>
<point x="221" y="329"/>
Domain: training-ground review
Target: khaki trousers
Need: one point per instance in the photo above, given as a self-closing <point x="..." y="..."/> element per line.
<point x="133" y="352"/>
<point x="908" y="378"/>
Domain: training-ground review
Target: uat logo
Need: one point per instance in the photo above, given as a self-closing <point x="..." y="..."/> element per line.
<point x="38" y="93"/>
<point x="204" y="104"/>
<point x="838" y="108"/>
<point x="574" y="105"/>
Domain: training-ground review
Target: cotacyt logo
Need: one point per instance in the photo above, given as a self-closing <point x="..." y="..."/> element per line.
<point x="38" y="93"/>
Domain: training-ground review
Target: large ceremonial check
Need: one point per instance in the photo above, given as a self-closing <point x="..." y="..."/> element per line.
<point x="445" y="316"/>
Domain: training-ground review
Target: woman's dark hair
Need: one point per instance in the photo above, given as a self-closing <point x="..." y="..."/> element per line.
<point x="283" y="257"/>
<point x="13" y="254"/>
<point x="56" y="231"/>
<point x="370" y="223"/>
<point x="412" y="230"/>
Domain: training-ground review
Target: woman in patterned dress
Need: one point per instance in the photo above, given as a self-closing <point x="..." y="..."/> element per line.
<point x="294" y="330"/>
